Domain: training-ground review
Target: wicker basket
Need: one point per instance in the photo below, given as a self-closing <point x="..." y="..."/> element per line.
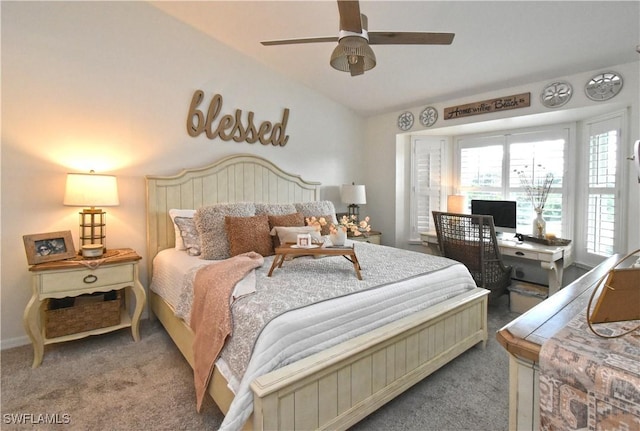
<point x="86" y="312"/>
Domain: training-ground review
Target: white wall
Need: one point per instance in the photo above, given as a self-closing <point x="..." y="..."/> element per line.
<point x="107" y="86"/>
<point x="388" y="185"/>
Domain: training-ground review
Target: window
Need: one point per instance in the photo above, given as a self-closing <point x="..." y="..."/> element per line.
<point x="585" y="200"/>
<point x="603" y="204"/>
<point x="489" y="167"/>
<point x="537" y="161"/>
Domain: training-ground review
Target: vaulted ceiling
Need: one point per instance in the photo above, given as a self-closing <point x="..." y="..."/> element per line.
<point x="497" y="44"/>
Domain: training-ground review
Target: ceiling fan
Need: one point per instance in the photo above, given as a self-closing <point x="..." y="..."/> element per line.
<point x="353" y="53"/>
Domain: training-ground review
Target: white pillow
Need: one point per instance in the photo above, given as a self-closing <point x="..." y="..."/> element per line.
<point x="173" y="213"/>
<point x="289" y="234"/>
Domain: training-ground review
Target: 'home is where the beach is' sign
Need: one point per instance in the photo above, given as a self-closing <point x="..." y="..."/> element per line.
<point x="486" y="106"/>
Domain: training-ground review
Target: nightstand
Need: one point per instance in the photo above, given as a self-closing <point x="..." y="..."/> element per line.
<point x="373" y="237"/>
<point x="117" y="270"/>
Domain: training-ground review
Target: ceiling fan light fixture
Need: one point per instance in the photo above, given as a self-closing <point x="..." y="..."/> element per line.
<point x="353" y="53"/>
<point x="354" y="42"/>
<point x="347" y="52"/>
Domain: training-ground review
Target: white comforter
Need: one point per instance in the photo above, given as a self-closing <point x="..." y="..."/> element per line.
<point x="299" y="333"/>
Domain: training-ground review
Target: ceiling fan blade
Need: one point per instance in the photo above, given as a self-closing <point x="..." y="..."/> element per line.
<point x="409" y="38"/>
<point x="357" y="68"/>
<point x="304" y="40"/>
<point x="350" y="15"/>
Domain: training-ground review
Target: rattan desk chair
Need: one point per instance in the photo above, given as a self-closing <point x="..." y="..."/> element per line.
<point x="471" y="239"/>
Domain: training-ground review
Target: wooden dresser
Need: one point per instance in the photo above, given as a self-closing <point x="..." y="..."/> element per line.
<point x="524" y="336"/>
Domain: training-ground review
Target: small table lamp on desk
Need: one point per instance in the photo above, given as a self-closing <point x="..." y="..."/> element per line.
<point x="455" y="204"/>
<point x="90" y="191"/>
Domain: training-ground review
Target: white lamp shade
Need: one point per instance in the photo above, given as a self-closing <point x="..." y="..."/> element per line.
<point x="353" y="194"/>
<point x="91" y="190"/>
<point x="455" y="204"/>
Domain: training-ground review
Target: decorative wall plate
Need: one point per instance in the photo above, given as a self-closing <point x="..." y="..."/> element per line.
<point x="429" y="116"/>
<point x="603" y="86"/>
<point x="556" y="94"/>
<point x="405" y="120"/>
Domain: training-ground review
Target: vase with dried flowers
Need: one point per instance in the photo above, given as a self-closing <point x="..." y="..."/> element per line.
<point x="537" y="189"/>
<point x="346" y="226"/>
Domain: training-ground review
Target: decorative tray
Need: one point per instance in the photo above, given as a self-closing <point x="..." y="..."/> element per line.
<point x="545" y="241"/>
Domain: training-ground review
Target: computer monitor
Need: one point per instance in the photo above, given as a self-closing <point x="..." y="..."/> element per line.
<point x="503" y="212"/>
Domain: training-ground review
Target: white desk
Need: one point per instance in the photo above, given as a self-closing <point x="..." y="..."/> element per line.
<point x="552" y="258"/>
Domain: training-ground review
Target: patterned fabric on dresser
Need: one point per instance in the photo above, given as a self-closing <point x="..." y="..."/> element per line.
<point x="589" y="382"/>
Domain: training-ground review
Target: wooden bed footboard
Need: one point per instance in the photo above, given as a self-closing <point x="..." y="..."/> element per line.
<point x="336" y="388"/>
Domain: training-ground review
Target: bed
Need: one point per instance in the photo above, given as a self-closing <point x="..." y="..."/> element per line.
<point x="339" y="385"/>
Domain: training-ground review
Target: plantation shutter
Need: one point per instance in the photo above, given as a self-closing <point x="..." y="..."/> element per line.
<point x="427" y="183"/>
<point x="602" y="175"/>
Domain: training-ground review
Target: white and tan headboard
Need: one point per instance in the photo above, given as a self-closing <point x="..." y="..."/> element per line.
<point x="237" y="178"/>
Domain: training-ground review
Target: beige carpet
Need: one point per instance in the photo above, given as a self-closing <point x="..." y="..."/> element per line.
<point x="112" y="383"/>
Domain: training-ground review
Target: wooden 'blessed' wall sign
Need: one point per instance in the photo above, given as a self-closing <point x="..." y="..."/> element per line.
<point x="493" y="105"/>
<point x="231" y="127"/>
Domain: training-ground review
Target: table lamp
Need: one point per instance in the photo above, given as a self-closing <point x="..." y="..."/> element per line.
<point x="90" y="191"/>
<point x="455" y="204"/>
<point x="353" y="195"/>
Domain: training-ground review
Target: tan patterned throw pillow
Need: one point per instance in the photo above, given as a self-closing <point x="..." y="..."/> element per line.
<point x="295" y="219"/>
<point x="289" y="220"/>
<point x="249" y="234"/>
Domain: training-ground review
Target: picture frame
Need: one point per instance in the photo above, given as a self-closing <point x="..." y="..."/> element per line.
<point x="49" y="247"/>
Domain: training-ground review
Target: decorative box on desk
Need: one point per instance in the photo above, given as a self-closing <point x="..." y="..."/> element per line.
<point x="116" y="271"/>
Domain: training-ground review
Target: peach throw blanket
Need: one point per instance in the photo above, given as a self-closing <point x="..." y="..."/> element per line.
<point x="211" y="313"/>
